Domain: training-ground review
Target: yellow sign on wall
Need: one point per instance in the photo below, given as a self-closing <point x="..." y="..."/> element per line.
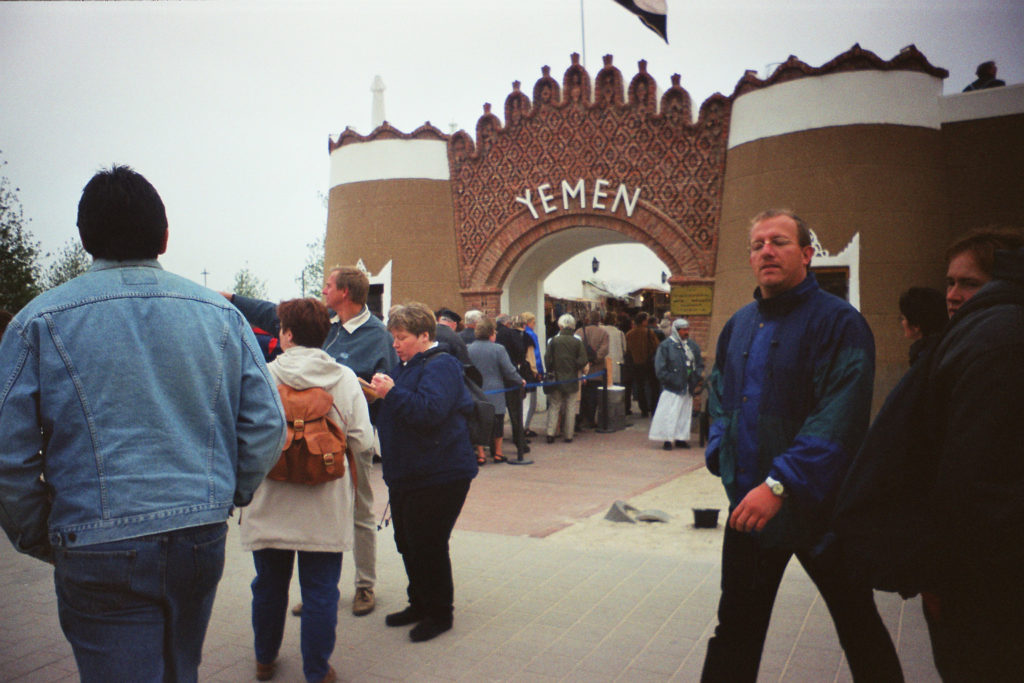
<point x="690" y="300"/>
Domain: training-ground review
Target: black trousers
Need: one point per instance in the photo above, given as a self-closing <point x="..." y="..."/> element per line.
<point x="514" y="408"/>
<point x="977" y="632"/>
<point x="424" y="519"/>
<point x="588" y="404"/>
<point x="750" y="580"/>
<point x="645" y="386"/>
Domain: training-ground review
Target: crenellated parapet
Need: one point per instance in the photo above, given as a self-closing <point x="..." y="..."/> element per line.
<point x="854" y="59"/>
<point x="600" y="135"/>
<point x="386" y="131"/>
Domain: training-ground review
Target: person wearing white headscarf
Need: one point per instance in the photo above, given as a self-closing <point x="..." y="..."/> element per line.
<point x="679" y="368"/>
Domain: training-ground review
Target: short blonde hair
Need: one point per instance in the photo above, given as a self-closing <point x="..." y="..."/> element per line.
<point x="527" y="317"/>
<point x="484" y="328"/>
<point x="414" y="318"/>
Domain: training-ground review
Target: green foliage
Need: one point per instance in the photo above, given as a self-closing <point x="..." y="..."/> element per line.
<point x="70" y="262"/>
<point x="247" y="284"/>
<point x="312" y="278"/>
<point x="19" y="253"/>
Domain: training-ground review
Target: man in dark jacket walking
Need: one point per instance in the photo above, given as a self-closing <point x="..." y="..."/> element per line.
<point x="790" y="397"/>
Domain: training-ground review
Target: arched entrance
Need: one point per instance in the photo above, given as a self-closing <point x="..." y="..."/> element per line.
<point x="515" y="273"/>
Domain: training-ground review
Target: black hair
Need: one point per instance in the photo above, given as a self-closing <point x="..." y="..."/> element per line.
<point x="924" y="308"/>
<point x="121" y="216"/>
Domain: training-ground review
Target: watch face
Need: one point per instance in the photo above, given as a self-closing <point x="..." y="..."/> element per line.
<point x="777" y="488"/>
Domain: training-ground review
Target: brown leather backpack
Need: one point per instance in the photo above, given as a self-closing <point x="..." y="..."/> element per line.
<point x="313" y="452"/>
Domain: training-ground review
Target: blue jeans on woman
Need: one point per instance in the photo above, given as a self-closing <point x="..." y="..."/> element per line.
<point x="137" y="609"/>
<point x="318" y="580"/>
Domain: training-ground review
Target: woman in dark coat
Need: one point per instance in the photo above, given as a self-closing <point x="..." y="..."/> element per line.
<point x="428" y="464"/>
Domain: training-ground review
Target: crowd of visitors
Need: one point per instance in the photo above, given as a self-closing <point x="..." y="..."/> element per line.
<point x="283" y="407"/>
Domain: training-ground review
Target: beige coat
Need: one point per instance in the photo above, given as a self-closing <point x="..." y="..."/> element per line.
<point x="317" y="518"/>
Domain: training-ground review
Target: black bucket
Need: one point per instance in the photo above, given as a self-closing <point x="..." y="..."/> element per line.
<point x="705" y="518"/>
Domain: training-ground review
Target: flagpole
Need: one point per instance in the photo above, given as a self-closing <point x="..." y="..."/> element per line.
<point x="583" y="37"/>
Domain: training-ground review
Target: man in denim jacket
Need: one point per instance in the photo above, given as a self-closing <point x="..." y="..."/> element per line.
<point x="136" y="411"/>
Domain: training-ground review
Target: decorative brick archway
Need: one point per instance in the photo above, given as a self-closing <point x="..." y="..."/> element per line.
<point x="663" y="174"/>
<point x="647" y="226"/>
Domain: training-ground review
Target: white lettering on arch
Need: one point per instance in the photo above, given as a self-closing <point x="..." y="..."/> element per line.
<point x="578" y="192"/>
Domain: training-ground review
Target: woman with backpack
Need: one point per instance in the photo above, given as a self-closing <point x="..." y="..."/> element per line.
<point x="314" y="521"/>
<point x="428" y="464"/>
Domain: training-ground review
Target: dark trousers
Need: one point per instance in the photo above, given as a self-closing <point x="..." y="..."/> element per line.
<point x="514" y="408"/>
<point x="750" y="580"/>
<point x="645" y="386"/>
<point x="588" y="404"/>
<point x="977" y="633"/>
<point x="424" y="519"/>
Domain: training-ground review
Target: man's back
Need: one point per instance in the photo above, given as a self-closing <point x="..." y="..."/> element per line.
<point x="142" y="378"/>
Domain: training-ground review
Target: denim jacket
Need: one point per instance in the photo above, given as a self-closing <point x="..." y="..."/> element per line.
<point x="132" y="402"/>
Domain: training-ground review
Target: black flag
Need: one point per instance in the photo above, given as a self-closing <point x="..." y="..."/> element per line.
<point x="652" y="12"/>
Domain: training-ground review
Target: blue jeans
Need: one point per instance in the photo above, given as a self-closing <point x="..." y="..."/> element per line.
<point x="318" y="579"/>
<point x="137" y="609"/>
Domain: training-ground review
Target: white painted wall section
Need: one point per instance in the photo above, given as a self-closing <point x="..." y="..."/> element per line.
<point x="983" y="104"/>
<point x="907" y="98"/>
<point x="389" y="160"/>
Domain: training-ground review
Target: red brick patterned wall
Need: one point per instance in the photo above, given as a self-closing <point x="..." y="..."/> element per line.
<point x="621" y="137"/>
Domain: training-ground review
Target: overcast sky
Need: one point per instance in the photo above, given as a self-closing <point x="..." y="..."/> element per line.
<point x="226" y="107"/>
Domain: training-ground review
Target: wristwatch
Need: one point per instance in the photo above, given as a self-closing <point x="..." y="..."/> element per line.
<point x="776" y="487"/>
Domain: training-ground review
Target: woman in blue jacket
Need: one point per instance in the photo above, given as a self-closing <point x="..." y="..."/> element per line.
<point x="428" y="463"/>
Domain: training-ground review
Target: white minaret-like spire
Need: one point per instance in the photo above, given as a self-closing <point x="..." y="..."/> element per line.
<point x="377" y="116"/>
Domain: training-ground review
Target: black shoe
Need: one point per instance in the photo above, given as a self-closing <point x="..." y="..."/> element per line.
<point x="549" y="439"/>
<point x="526" y="449"/>
<point x="410" y="615"/>
<point x="430" y="627"/>
<point x="530" y="432"/>
<point x="568" y="440"/>
<point x="682" y="444"/>
<point x="667" y="446"/>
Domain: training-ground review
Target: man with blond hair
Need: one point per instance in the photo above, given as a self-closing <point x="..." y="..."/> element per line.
<point x="789" y="399"/>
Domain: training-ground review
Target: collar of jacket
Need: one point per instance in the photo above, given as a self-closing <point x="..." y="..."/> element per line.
<point x="424" y="356"/>
<point x="106" y="264"/>
<point x="788" y="300"/>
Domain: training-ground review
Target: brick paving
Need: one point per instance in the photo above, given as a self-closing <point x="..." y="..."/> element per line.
<point x="527" y="608"/>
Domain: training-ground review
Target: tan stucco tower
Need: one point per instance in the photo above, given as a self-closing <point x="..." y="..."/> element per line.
<point x="881" y="165"/>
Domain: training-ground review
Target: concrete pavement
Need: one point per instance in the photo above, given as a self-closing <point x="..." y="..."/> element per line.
<point x="533" y="603"/>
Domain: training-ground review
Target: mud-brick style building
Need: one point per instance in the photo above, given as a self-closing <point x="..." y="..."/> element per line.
<point x="884" y="167"/>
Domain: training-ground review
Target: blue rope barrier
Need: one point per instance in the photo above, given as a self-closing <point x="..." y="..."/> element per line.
<point x="530" y="385"/>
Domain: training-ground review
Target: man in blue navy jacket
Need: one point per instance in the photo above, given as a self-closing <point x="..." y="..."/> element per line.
<point x="790" y="398"/>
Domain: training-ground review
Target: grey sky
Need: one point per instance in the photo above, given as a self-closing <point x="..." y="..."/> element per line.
<point x="227" y="107"/>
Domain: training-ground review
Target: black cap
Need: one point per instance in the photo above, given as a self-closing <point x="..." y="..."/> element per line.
<point x="450" y="314"/>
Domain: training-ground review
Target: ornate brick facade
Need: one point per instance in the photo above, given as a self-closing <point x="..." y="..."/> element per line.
<point x="619" y="135"/>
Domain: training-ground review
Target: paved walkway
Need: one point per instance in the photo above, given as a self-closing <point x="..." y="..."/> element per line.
<point x="530" y="606"/>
